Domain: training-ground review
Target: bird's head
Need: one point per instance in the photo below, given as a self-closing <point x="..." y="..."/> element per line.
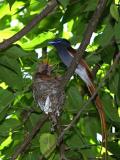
<point x="43" y="69"/>
<point x="64" y="48"/>
<point x="60" y="42"/>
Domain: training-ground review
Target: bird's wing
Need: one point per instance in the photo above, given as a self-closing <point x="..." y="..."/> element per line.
<point x="47" y="107"/>
<point x="82" y="62"/>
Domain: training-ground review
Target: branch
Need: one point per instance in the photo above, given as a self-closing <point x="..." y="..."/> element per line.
<point x="61" y="146"/>
<point x="76" y="118"/>
<point x="86" y="39"/>
<point x="47" y="10"/>
<point x="28" y="139"/>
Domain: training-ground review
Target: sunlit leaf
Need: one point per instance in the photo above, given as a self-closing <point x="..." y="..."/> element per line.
<point x="5" y="8"/>
<point x="114" y="12"/>
<point x="37" y="41"/>
<point x="47" y="143"/>
<point x="11" y="2"/>
<point x="7" y="33"/>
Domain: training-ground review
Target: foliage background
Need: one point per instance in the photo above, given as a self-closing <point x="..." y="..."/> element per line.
<point x="18" y="111"/>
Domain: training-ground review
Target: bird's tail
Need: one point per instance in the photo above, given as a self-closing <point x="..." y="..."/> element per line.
<point x="100" y="109"/>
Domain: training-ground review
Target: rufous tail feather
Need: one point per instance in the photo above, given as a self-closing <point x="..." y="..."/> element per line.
<point x="100" y="109"/>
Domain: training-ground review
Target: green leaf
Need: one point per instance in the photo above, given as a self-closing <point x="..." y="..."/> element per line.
<point x="74" y="100"/>
<point x="47" y="143"/>
<point x="117" y="31"/>
<point x="6" y="33"/>
<point x="36" y="5"/>
<point x="11" y="2"/>
<point x="73" y="11"/>
<point x="8" y="125"/>
<point x="90" y="126"/>
<point x="114" y="82"/>
<point x="78" y="30"/>
<point x="118" y="88"/>
<point x="14" y="52"/>
<point x="18" y="137"/>
<point x="105" y="38"/>
<point x="6" y="142"/>
<point x="107" y="54"/>
<point x="37" y="40"/>
<point x="11" y="78"/>
<point x="74" y="142"/>
<point x="31" y="121"/>
<point x="11" y="64"/>
<point x="110" y="110"/>
<point x="93" y="59"/>
<point x="114" y="148"/>
<point x="114" y="12"/>
<point x="64" y="3"/>
<point x="6" y="98"/>
<point x="4" y="113"/>
<point x="31" y="156"/>
<point x="91" y="5"/>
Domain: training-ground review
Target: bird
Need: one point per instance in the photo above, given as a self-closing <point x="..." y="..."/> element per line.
<point x="47" y="92"/>
<point x="66" y="54"/>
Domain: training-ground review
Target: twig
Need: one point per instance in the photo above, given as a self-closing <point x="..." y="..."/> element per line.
<point x="47" y="10"/>
<point x="28" y="139"/>
<point x="86" y="39"/>
<point x="61" y="145"/>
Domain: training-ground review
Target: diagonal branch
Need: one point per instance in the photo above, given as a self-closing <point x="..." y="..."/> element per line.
<point x="47" y="10"/>
<point x="86" y="39"/>
<point x="30" y="136"/>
